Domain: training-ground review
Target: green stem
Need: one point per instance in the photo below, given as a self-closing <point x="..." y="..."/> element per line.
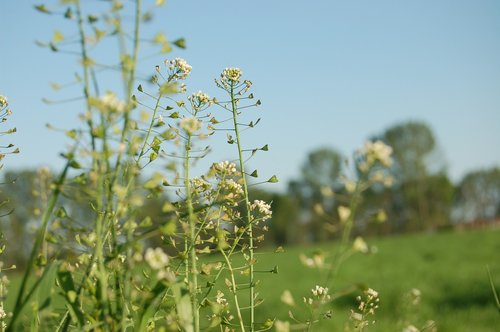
<point x="233" y="290"/>
<point x="193" y="272"/>
<point x="234" y="109"/>
<point x="38" y="242"/>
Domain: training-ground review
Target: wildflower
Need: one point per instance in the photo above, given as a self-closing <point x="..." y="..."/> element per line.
<point x="231" y="75"/>
<point x="282" y="326"/>
<point x="377" y="151"/>
<point x="200" y="184"/>
<point x="319" y="291"/>
<point x="225" y="168"/>
<point x="287" y="298"/>
<point x="263" y="208"/>
<point x="3" y="102"/>
<point x="109" y="103"/>
<point x="360" y="245"/>
<point x="179" y="68"/>
<point x="410" y="328"/>
<point x="219" y="298"/>
<point x="200" y="98"/>
<point x="156" y="258"/>
<point x="3" y="314"/>
<point x="372" y="294"/>
<point x="191" y="125"/>
<point x="344" y="213"/>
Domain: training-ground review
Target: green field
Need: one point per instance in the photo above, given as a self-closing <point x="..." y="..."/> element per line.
<point x="448" y="268"/>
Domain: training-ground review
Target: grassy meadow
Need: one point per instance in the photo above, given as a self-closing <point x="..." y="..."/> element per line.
<point x="448" y="268"/>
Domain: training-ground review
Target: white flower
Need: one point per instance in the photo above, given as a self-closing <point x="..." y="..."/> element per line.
<point x="156" y="258"/>
<point x="410" y="328"/>
<point x="110" y="103"/>
<point x="282" y="326"/>
<point x="263" y="208"/>
<point x="319" y="291"/>
<point x="360" y="245"/>
<point x="200" y="98"/>
<point x="372" y="294"/>
<point x="219" y="298"/>
<point x="225" y="168"/>
<point x="191" y="125"/>
<point x="3" y="314"/>
<point x="3" y="102"/>
<point x="344" y="213"/>
<point x="377" y="151"/>
<point x="179" y="68"/>
<point x="287" y="298"/>
<point x="231" y="75"/>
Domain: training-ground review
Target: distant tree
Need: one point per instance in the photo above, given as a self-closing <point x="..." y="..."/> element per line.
<point x="421" y="196"/>
<point x="321" y="170"/>
<point x="478" y="195"/>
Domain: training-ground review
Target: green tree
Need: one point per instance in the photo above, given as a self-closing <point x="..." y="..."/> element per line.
<point x="478" y="195"/>
<point x="422" y="195"/>
<point x="321" y="170"/>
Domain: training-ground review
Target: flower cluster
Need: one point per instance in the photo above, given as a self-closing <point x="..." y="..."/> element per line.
<point x="262" y="208"/>
<point x="319" y="296"/>
<point x="365" y="308"/>
<point x="225" y="168"/>
<point x="233" y="190"/>
<point x="3" y="102"/>
<point x="110" y="103"/>
<point x="156" y="258"/>
<point x="200" y="99"/>
<point x="190" y="124"/>
<point x="200" y="184"/>
<point x="376" y="151"/>
<point x="231" y="75"/>
<point x="178" y="68"/>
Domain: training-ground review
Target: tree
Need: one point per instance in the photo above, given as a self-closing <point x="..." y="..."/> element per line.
<point x="418" y="193"/>
<point x="478" y="195"/>
<point x="321" y="170"/>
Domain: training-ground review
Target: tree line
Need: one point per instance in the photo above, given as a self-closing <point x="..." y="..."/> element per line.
<point x="419" y="197"/>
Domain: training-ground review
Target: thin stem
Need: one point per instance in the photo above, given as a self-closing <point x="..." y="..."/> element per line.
<point x="193" y="271"/>
<point x="234" y="109"/>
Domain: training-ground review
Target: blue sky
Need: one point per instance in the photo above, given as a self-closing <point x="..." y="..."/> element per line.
<point x="329" y="73"/>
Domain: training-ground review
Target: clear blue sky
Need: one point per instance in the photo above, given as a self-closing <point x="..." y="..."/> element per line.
<point x="329" y="73"/>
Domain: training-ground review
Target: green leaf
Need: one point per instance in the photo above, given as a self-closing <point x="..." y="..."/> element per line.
<point x="92" y="19"/>
<point x="65" y="281"/>
<point x="265" y="148"/>
<point x="57" y="37"/>
<point x="183" y="306"/>
<point x="42" y="9"/>
<point x="68" y="13"/>
<point x="273" y="179"/>
<point x="61" y="212"/>
<point x="181" y="43"/>
<point x="254" y="174"/>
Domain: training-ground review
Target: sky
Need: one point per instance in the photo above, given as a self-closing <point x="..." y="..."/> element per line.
<point x="329" y="74"/>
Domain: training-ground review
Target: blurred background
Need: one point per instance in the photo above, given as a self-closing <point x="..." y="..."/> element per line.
<point x="421" y="76"/>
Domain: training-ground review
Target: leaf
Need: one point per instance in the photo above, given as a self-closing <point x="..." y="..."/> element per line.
<point x="65" y="281"/>
<point x="68" y="13"/>
<point x="181" y="43"/>
<point x="273" y="179"/>
<point x="92" y="19"/>
<point x="42" y="9"/>
<point x="265" y="148"/>
<point x="58" y="37"/>
<point x="254" y="174"/>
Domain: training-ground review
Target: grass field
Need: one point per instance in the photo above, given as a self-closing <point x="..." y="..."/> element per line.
<point x="448" y="268"/>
